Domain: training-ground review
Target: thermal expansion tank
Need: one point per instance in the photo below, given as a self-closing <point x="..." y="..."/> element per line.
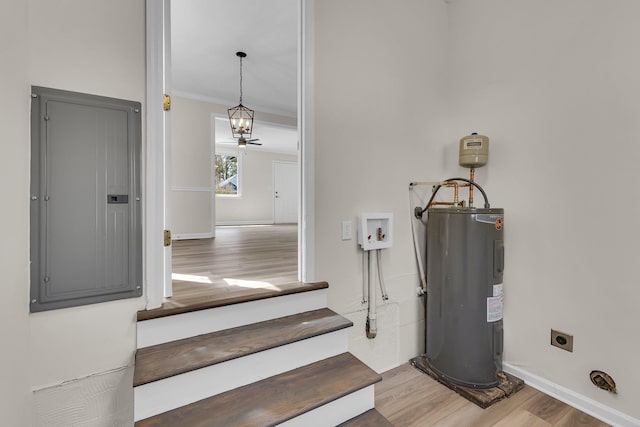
<point x="465" y="261"/>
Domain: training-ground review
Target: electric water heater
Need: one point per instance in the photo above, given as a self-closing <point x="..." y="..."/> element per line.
<point x="465" y="262"/>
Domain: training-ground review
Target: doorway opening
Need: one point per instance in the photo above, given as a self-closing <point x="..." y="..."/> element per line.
<point x="255" y="217"/>
<point x="304" y="173"/>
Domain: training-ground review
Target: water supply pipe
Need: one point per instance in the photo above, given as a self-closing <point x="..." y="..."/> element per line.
<point x="371" y="326"/>
<point x="383" y="288"/>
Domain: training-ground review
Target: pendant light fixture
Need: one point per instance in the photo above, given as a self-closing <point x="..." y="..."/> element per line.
<point x="241" y="117"/>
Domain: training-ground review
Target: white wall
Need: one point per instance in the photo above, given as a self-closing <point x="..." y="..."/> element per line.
<point x="556" y="87"/>
<point x="380" y="121"/>
<point x="255" y="204"/>
<point x="15" y="396"/>
<point x="86" y="46"/>
<point x="192" y="173"/>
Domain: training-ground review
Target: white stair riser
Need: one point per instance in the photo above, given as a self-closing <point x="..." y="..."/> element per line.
<point x="171" y="328"/>
<point x="336" y="412"/>
<point x="170" y="393"/>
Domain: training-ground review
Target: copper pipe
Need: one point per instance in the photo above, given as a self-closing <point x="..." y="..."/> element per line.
<point x="472" y="174"/>
<point x="461" y="204"/>
<point x="456" y="201"/>
<point x="442" y="203"/>
<point x="455" y="185"/>
<point x="430" y="183"/>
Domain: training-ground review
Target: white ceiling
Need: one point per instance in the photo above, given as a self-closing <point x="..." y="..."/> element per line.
<point x="205" y="36"/>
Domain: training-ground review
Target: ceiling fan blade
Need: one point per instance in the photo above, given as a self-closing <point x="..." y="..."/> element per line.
<point x="236" y="141"/>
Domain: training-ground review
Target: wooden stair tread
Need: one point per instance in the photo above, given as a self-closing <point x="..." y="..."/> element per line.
<point x="371" y="418"/>
<point x="233" y="298"/>
<point x="177" y="357"/>
<point x="276" y="399"/>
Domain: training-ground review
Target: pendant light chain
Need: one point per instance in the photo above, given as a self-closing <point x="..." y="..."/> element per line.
<point x="241" y="80"/>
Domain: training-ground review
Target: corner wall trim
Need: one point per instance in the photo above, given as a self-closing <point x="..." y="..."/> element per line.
<point x="306" y="132"/>
<point x="570" y="397"/>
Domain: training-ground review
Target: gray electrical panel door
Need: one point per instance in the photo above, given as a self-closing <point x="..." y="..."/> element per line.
<point x="86" y="232"/>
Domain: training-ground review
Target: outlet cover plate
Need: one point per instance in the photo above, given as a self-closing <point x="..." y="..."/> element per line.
<point x="562" y="340"/>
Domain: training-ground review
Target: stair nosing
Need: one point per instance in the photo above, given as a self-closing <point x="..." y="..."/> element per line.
<point x="191" y="344"/>
<point x="373" y="412"/>
<point x="362" y="379"/>
<point x="158" y="313"/>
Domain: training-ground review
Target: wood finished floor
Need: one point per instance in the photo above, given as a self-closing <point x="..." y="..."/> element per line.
<point x="265" y="253"/>
<point x="238" y="263"/>
<point x="409" y="398"/>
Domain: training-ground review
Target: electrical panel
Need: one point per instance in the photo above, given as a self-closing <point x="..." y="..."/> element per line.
<point x="375" y="230"/>
<point x="86" y="213"/>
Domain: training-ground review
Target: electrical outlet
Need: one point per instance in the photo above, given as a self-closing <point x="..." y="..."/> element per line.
<point x="562" y="340"/>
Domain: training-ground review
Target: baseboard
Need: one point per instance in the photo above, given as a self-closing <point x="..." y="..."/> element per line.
<point x="256" y="222"/>
<point x="187" y="236"/>
<point x="570" y="397"/>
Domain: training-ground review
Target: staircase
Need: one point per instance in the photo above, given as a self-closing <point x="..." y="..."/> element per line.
<point x="281" y="360"/>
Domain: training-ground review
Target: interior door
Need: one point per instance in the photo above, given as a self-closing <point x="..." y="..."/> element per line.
<point x="285" y="192"/>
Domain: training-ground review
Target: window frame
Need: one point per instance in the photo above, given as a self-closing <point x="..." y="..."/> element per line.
<point x="238" y="155"/>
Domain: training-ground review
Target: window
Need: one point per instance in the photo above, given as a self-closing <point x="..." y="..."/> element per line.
<point x="227" y="173"/>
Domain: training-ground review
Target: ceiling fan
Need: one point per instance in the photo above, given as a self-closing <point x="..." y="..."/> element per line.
<point x="241" y="141"/>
